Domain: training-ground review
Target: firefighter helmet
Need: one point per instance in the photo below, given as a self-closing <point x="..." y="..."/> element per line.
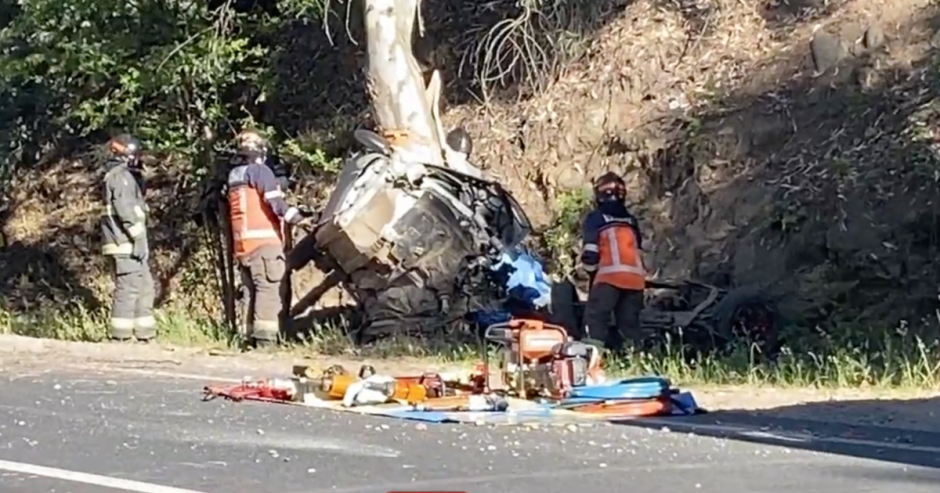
<point x="610" y="187"/>
<point x="124" y="146"/>
<point x="252" y="141"/>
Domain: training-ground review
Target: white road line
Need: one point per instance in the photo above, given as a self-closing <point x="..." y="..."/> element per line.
<point x="92" y="479"/>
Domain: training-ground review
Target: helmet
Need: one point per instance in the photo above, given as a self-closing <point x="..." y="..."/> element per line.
<point x="459" y="140"/>
<point x="251" y="140"/>
<point x="610" y="187"/>
<point x="125" y="148"/>
<point x="124" y="145"/>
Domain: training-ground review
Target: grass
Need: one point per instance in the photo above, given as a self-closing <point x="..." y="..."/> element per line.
<point x="895" y="362"/>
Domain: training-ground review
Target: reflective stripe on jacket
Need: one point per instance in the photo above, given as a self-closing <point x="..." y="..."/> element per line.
<point x="256" y="206"/>
<point x="124" y="215"/>
<point x="612" y="250"/>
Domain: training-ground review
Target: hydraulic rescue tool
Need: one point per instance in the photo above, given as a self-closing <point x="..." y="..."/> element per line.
<point x="538" y="359"/>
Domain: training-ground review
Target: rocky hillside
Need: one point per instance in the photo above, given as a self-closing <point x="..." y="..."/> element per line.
<point x="785" y="144"/>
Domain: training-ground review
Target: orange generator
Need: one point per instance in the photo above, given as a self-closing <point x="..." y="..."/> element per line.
<point x="538" y="359"/>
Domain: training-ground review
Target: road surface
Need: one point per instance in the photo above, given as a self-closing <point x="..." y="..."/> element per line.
<point x="95" y="433"/>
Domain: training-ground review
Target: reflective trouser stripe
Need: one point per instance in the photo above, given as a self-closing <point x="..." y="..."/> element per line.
<point x="132" y="301"/>
<point x="122" y="323"/>
<point x="136" y="230"/>
<point x="266" y="325"/>
<point x="117" y="249"/>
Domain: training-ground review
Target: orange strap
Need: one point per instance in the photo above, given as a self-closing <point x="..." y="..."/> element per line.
<point x="397" y="138"/>
<point x="628" y="408"/>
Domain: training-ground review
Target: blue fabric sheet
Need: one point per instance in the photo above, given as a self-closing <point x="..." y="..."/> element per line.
<point x="527" y="282"/>
<point x="638" y="388"/>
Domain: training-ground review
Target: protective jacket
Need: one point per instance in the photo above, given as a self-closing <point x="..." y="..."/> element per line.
<point x="124" y="219"/>
<point x="256" y="205"/>
<point x="612" y="248"/>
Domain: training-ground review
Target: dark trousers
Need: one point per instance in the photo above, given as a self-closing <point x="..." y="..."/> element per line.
<point x="132" y="302"/>
<point x="606" y="302"/>
<point x="262" y="273"/>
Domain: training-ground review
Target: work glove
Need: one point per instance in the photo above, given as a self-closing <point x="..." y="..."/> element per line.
<point x="141" y="250"/>
<point x="307" y="216"/>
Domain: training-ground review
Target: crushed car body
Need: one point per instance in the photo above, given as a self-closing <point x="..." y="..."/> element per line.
<point x="415" y="243"/>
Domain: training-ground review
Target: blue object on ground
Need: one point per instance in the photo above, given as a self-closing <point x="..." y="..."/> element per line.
<point x="683" y="404"/>
<point x="426" y="416"/>
<point x="528" y="282"/>
<point x="633" y="388"/>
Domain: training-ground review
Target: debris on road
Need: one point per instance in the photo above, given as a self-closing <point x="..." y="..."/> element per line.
<point x="539" y="375"/>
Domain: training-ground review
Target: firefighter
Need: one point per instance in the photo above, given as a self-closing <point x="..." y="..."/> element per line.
<point x="256" y="211"/>
<point x="611" y="255"/>
<point x="124" y="238"/>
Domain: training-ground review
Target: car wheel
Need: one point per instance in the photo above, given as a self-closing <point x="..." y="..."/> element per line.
<point x="746" y="315"/>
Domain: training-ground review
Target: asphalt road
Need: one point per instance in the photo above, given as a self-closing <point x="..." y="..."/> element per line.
<point x="156" y="431"/>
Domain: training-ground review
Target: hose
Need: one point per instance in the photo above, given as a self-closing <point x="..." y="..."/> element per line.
<point x="636" y="397"/>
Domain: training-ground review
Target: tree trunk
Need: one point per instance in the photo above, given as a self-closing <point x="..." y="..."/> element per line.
<point x="405" y="110"/>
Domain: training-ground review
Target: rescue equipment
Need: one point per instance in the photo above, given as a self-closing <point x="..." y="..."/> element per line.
<point x="538" y="360"/>
<point x="432" y="397"/>
<point x="274" y="390"/>
<point x="637" y="397"/>
<point x="628" y="408"/>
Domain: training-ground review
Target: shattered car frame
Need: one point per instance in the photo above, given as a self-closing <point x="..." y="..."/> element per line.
<point x="413" y="243"/>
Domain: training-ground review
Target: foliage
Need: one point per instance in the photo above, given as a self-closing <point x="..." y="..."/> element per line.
<point x="560" y="239"/>
<point x="172" y="72"/>
<point x="531" y="44"/>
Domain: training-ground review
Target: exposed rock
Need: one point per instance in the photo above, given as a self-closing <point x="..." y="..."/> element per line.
<point x="827" y="51"/>
<point x="874" y="37"/>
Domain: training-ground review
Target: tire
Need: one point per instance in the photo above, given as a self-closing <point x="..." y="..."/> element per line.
<point x="564" y="307"/>
<point x="747" y="315"/>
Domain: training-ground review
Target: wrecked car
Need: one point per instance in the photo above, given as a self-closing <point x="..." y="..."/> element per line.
<point x="414" y="244"/>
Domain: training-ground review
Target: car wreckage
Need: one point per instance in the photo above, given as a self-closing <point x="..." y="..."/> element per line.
<point x="413" y="245"/>
<point x="422" y="247"/>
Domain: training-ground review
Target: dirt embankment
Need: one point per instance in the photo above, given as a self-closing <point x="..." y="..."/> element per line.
<point x="754" y="155"/>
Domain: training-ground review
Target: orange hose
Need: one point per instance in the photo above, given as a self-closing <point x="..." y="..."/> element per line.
<point x="628" y="408"/>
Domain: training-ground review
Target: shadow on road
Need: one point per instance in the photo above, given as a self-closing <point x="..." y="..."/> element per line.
<point x="898" y="431"/>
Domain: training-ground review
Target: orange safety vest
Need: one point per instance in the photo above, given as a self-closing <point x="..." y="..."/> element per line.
<point x="621" y="263"/>
<point x="254" y="223"/>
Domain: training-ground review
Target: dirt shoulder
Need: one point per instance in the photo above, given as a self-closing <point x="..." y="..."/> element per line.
<point x="907" y="408"/>
<point x="30" y="354"/>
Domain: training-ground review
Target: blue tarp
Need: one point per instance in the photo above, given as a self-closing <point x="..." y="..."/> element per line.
<point x="683" y="405"/>
<point x="528" y="282"/>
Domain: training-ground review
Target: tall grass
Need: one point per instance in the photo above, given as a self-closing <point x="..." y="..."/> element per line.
<point x="897" y="360"/>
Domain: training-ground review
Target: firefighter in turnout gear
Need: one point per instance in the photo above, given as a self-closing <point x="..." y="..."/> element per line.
<point x="611" y="255"/>
<point x="256" y="211"/>
<point x="124" y="238"/>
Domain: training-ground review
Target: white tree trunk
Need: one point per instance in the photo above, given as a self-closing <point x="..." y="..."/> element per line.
<point x="401" y="104"/>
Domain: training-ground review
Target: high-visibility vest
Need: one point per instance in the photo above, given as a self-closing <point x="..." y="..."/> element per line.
<point x="253" y="222"/>
<point x="621" y="262"/>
